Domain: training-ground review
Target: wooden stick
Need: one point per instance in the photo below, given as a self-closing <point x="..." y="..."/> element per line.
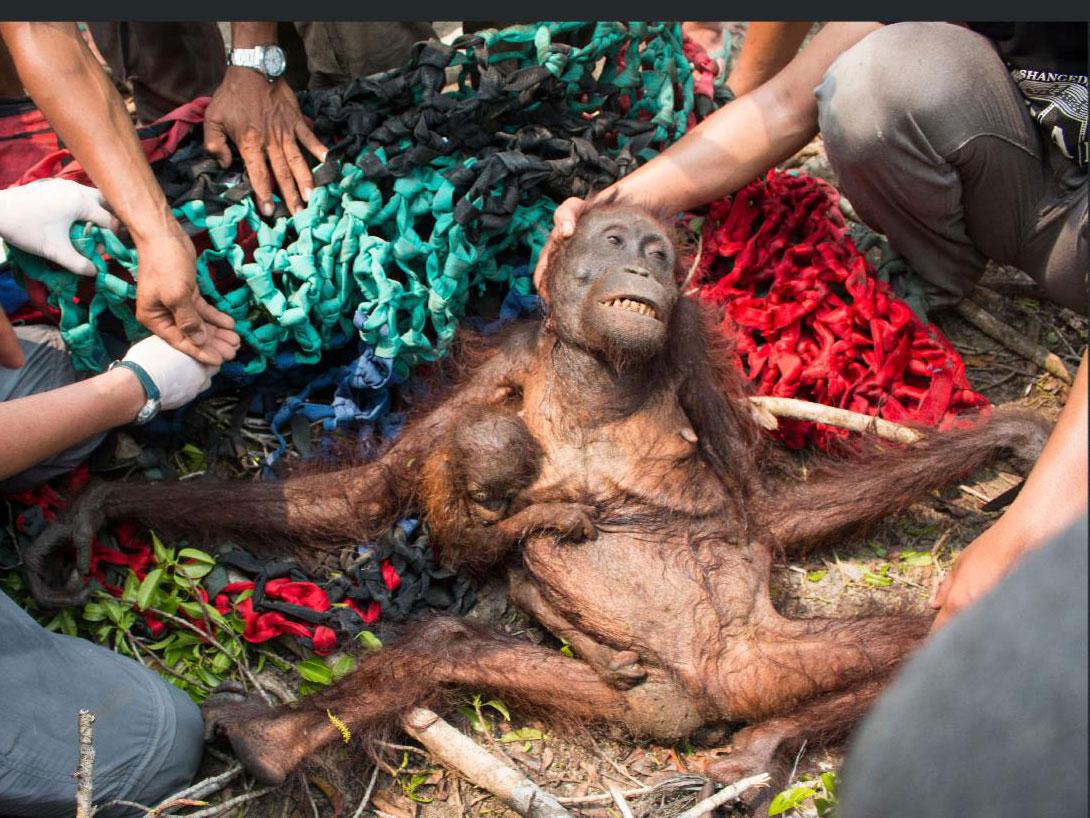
<point x="216" y="809"/>
<point x="618" y="799"/>
<point x="724" y="795"/>
<point x="84" y="774"/>
<point x="367" y="795"/>
<point x="460" y="752"/>
<point x="994" y="328"/>
<point x="832" y="416"/>
<point x="677" y="783"/>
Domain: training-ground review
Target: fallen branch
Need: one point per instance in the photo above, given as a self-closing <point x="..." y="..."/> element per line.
<point x="832" y="416"/>
<point x="367" y="795"/>
<point x="456" y="750"/>
<point x="724" y="795"/>
<point x="678" y="783"/>
<point x="216" y="809"/>
<point x="85" y="771"/>
<point x="1019" y="344"/>
<point x="622" y="805"/>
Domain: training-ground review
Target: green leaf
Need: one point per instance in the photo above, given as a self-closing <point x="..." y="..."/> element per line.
<point x="565" y="648"/>
<point x="148" y="589"/>
<point x="917" y="559"/>
<point x="344" y="665"/>
<point x="522" y="734"/>
<point x="197" y="555"/>
<point x="817" y="575"/>
<point x="369" y="640"/>
<point x="93" y="612"/>
<point x="474" y="719"/>
<point x="828" y="781"/>
<point x="193" y="570"/>
<point x="164" y="642"/>
<point x="315" y="670"/>
<point x="499" y="707"/>
<point x="162" y="553"/>
<point x="207" y="677"/>
<point x="789" y="799"/>
<point x="221" y="662"/>
<point x="877" y="580"/>
<point x="132" y="586"/>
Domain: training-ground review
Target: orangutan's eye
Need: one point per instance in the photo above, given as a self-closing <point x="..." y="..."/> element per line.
<point x="614" y="239"/>
<point x="658" y="254"/>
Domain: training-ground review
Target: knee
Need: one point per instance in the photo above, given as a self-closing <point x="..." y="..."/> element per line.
<point x="178" y="765"/>
<point x="906" y="75"/>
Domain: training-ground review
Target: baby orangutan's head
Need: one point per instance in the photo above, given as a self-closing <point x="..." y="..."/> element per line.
<point x="497" y="458"/>
<point x="611" y="287"/>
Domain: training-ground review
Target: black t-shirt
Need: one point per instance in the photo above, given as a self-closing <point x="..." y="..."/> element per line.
<point x="1048" y="63"/>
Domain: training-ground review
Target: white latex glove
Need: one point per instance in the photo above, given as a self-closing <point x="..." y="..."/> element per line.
<point x="178" y="377"/>
<point x="37" y="217"/>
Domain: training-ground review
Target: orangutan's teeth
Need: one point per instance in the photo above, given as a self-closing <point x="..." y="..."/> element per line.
<point x="632" y="306"/>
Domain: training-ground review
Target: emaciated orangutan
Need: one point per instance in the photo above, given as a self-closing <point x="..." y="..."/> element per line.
<point x="620" y="409"/>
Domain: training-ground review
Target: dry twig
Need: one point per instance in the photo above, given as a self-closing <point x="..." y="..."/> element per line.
<point x="84" y="774"/>
<point x="833" y="416"/>
<point x="456" y="750"/>
<point x="724" y="795"/>
<point x="1012" y="340"/>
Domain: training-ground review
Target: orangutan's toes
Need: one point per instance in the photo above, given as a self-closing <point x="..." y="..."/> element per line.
<point x="625" y="671"/>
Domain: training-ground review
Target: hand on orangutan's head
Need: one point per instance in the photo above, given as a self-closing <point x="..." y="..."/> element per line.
<point x="610" y="288"/>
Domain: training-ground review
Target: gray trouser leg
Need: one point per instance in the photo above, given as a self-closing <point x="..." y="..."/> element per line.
<point x="932" y="144"/>
<point x="147" y="733"/>
<point x="341" y="51"/>
<point x="989" y="719"/>
<point x="47" y="367"/>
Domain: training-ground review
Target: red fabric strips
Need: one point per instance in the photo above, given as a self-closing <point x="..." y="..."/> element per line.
<point x="811" y="319"/>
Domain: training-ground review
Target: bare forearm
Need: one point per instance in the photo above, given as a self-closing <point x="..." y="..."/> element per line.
<point x="766" y="49"/>
<point x="247" y="35"/>
<point x="746" y="137"/>
<point x="1054" y="494"/>
<point x="37" y="427"/>
<point x="71" y="89"/>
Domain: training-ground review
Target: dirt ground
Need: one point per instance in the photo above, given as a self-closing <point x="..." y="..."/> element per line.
<point x="895" y="567"/>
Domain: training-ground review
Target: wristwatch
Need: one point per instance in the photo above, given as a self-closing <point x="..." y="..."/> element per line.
<point x="268" y="60"/>
<point x="151" y="407"/>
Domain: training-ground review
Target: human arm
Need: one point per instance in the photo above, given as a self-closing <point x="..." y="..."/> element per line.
<point x="1052" y="498"/>
<point x="766" y="49"/>
<point x="71" y="89"/>
<point x="39" y="426"/>
<point x="735" y="144"/>
<point x="263" y="119"/>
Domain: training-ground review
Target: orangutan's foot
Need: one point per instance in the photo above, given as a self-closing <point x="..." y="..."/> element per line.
<point x="261" y="738"/>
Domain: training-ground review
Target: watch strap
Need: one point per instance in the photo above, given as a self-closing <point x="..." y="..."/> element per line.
<point x="247" y="58"/>
<point x="151" y="391"/>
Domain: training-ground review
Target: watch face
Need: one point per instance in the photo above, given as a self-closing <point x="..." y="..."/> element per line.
<point x="148" y="411"/>
<point x="274" y="61"/>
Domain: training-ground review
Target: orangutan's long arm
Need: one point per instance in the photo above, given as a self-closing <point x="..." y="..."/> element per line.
<point x="327" y="509"/>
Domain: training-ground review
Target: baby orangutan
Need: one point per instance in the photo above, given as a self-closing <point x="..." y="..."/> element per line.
<point x="625" y="429"/>
<point x="470" y="491"/>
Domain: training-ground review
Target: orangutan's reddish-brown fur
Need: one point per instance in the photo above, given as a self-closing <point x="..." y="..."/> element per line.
<point x="631" y="418"/>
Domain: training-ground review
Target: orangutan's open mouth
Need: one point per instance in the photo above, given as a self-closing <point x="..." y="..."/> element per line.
<point x="632" y="305"/>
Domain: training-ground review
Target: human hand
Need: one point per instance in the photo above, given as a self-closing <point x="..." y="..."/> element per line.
<point x="982" y="564"/>
<point x="263" y="119"/>
<point x="37" y="217"/>
<point x="564" y="220"/>
<point x="168" y="303"/>
<point x="178" y="377"/>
